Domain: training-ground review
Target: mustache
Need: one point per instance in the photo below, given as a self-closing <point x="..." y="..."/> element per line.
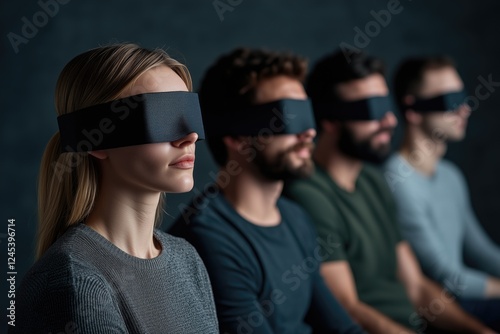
<point x="388" y="130"/>
<point x="301" y="145"/>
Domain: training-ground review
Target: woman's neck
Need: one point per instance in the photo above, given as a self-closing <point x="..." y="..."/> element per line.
<point x="126" y="218"/>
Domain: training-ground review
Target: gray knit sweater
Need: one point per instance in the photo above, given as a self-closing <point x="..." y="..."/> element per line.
<point x="85" y="284"/>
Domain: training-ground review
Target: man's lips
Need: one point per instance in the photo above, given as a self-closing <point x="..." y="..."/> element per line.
<point x="185" y="162"/>
<point x="304" y="152"/>
<point x="384" y="136"/>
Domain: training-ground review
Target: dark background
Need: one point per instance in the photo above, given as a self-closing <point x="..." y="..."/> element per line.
<point x="194" y="33"/>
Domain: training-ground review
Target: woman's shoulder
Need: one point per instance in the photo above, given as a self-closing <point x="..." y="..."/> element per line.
<point x="176" y="247"/>
<point x="182" y="256"/>
<point x="64" y="261"/>
<point x="60" y="272"/>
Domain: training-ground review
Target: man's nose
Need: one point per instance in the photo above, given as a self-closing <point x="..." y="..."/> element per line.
<point x="307" y="135"/>
<point x="389" y="120"/>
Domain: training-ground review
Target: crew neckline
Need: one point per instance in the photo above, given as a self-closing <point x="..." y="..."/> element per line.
<point x="109" y="247"/>
<point x="429" y="178"/>
<point x="228" y="206"/>
<point x="332" y="182"/>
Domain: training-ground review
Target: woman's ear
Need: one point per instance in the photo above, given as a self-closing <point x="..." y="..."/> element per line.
<point x="101" y="154"/>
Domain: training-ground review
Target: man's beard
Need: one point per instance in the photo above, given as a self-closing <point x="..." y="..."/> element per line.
<point x="363" y="149"/>
<point x="281" y="168"/>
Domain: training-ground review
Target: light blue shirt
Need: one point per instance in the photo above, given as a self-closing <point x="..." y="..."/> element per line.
<point x="436" y="217"/>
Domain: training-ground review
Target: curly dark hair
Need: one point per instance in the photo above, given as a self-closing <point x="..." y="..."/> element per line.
<point x="334" y="69"/>
<point x="229" y="85"/>
<point x="409" y="76"/>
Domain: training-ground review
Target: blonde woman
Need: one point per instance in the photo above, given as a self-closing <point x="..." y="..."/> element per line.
<point x="127" y="133"/>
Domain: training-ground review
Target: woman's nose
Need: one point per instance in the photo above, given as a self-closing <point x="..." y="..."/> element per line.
<point x="186" y="140"/>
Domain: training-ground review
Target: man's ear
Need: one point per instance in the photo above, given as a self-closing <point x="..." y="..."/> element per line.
<point x="408" y="100"/>
<point x="100" y="154"/>
<point x="330" y="127"/>
<point x="234" y="143"/>
<point x="413" y="117"/>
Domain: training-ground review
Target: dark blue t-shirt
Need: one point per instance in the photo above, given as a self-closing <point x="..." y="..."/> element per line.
<point x="265" y="279"/>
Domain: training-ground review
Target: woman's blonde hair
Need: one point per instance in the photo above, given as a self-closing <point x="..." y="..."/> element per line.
<point x="68" y="182"/>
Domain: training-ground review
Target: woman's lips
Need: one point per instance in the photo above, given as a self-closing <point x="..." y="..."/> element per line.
<point x="184" y="162"/>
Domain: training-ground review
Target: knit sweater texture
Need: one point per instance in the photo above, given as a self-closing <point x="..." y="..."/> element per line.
<point x="85" y="284"/>
<point x="436" y="217"/>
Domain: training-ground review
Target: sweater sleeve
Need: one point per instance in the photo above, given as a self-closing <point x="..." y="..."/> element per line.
<point x="234" y="280"/>
<point x="84" y="305"/>
<point x="205" y="290"/>
<point x="479" y="250"/>
<point x="417" y="228"/>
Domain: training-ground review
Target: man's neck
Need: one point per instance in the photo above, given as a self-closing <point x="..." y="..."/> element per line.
<point x="422" y="152"/>
<point x="343" y="169"/>
<point x="254" y="197"/>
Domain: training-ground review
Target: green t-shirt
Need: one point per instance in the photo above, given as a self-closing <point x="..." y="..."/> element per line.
<point x="362" y="224"/>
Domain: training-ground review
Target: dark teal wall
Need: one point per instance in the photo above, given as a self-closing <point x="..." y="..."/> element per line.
<point x="193" y="32"/>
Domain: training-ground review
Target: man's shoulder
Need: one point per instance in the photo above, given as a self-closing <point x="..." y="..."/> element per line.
<point x="403" y="179"/>
<point x="393" y="162"/>
<point x="208" y="219"/>
<point x="372" y="172"/>
<point x="450" y="168"/>
<point x="451" y="178"/>
<point x="296" y="215"/>
<point x="289" y="206"/>
<point x="376" y="179"/>
<point x="314" y="186"/>
<point x="202" y="209"/>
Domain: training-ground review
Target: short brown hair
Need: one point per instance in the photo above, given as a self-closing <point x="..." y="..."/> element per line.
<point x="409" y="76"/>
<point x="230" y="84"/>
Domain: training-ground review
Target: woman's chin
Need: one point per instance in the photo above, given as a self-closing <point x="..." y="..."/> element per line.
<point x="183" y="185"/>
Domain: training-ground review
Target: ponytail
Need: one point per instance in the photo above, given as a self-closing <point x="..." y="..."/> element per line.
<point x="67" y="189"/>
